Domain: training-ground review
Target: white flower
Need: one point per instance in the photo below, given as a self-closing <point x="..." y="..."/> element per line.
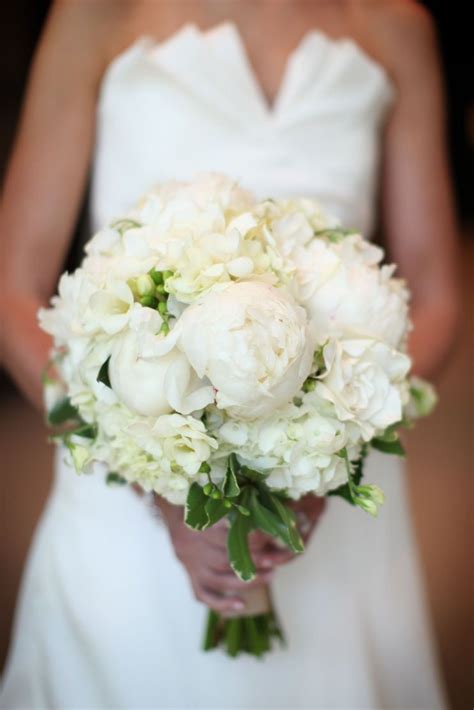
<point x="162" y="455"/>
<point x="69" y="315"/>
<point x="365" y="382"/>
<point x="104" y="242"/>
<point x="252" y="342"/>
<point x="155" y="385"/>
<point x="200" y="205"/>
<point x="347" y="293"/>
<point x="296" y="446"/>
<point x="111" y="307"/>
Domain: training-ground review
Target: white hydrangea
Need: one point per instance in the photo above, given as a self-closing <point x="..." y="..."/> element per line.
<point x="163" y="455"/>
<point x="296" y="447"/>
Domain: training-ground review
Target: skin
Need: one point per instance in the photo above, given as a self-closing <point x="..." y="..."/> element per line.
<point x="51" y="157"/>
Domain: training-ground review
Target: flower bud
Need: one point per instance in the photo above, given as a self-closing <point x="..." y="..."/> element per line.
<point x="208" y="488"/>
<point x="145" y="285"/>
<point x="157" y="276"/>
<point x="368" y="505"/>
<point x="149" y="301"/>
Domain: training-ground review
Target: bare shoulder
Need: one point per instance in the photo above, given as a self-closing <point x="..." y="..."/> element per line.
<point x="404" y="38"/>
<point x="84" y="36"/>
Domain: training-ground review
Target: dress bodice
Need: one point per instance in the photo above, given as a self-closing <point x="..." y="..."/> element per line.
<point x="193" y="103"/>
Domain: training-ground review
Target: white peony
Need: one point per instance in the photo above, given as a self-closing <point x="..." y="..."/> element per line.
<point x="252" y="342"/>
<point x="347" y="293"/>
<point x="155" y="385"/>
<point x="364" y="380"/>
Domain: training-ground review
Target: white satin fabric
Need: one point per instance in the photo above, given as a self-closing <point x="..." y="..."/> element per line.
<point x="106" y="617"/>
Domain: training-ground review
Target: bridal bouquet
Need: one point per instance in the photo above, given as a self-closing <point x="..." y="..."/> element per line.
<point x="232" y="355"/>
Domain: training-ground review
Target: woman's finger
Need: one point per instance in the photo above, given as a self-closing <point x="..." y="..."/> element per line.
<point x="229" y="582"/>
<point x="273" y="557"/>
<point x="228" y="605"/>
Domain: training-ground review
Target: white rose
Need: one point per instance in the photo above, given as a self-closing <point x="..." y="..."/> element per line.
<point x="253" y="343"/>
<point x="365" y="381"/>
<point x="347" y="294"/>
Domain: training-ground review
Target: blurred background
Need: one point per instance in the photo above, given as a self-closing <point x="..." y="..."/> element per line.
<point x="440" y="453"/>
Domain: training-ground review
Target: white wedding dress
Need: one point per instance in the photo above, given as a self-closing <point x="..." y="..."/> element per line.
<point x="106" y="616"/>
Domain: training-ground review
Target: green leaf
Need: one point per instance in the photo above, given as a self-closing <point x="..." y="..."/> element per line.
<point x="388" y="447"/>
<point x="231" y="488"/>
<point x="357" y="467"/>
<point x="288" y="519"/>
<point x="103" y="375"/>
<point x="241" y="509"/>
<point x="63" y="412"/>
<point x="238" y="548"/>
<point x="390" y="433"/>
<point x="87" y="431"/>
<point x="195" y="515"/>
<point x="215" y="510"/>
<point x="252" y="475"/>
<point x="268" y="522"/>
<point x="115" y="479"/>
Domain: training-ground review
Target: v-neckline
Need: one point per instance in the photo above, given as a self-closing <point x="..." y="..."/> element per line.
<point x="269" y="104"/>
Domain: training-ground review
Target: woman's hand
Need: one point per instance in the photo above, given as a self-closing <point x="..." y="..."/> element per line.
<point x="204" y="555"/>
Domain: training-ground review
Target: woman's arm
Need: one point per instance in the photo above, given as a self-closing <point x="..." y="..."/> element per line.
<point x="46" y="178"/>
<point x="417" y="200"/>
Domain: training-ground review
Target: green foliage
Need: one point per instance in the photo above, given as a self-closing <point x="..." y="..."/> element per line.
<point x="238" y="548"/>
<point x="243" y="497"/>
<point x="115" y="479"/>
<point x="63" y="412"/>
<point x="231" y="488"/>
<point x="195" y="515"/>
<point x="103" y="374"/>
<point x="245" y="634"/>
<point x="388" y="447"/>
<point x="356" y="473"/>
